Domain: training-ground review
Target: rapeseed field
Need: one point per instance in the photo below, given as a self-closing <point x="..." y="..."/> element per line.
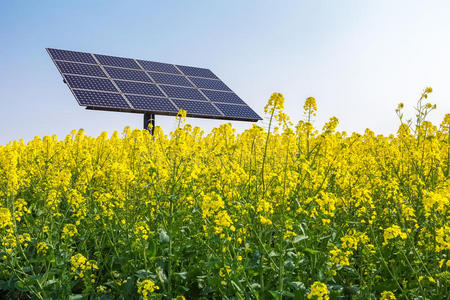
<point x="287" y="212"/>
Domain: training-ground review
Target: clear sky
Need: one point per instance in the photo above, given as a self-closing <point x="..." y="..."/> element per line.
<point x="357" y="58"/>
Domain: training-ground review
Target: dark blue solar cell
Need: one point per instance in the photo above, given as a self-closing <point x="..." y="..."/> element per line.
<point x="158" y="67"/>
<point x="117" y="61"/>
<point x="151" y="103"/>
<point x="238" y="111"/>
<point x="225" y="97"/>
<point x="200" y="72"/>
<point x="209" y="84"/>
<point x="197" y="107"/>
<point x="90" y="83"/>
<point x="99" y="99"/>
<point x="118" y="73"/>
<point x="170" y="79"/>
<point x="182" y="93"/>
<point x="71" y="56"/>
<point x="130" y="87"/>
<point x="82" y="69"/>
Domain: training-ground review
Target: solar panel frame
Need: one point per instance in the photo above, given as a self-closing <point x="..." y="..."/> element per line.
<point x="189" y="73"/>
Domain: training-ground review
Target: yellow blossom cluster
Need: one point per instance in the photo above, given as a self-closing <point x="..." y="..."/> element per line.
<point x="387" y="295"/>
<point x="393" y="232"/>
<point x="146" y="288"/>
<point x="69" y="231"/>
<point x="42" y="247"/>
<point x="81" y="266"/>
<point x="142" y="231"/>
<point x="5" y="218"/>
<point x="319" y="291"/>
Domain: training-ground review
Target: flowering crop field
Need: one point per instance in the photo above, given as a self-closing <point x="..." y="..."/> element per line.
<point x="287" y="212"/>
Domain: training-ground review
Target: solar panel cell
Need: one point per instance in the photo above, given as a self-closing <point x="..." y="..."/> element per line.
<point x="81" y="69"/>
<point x="158" y="67"/>
<point x="200" y="72"/>
<point x="72" y="56"/>
<point x="237" y="111"/>
<point x="209" y="84"/>
<point x="140" y="88"/>
<point x="197" y="107"/>
<point x="111" y="100"/>
<point x="225" y="97"/>
<point x="151" y="103"/>
<point x="117" y="61"/>
<point x="89" y="83"/>
<point x="170" y="79"/>
<point x="182" y="92"/>
<point x="127" y="74"/>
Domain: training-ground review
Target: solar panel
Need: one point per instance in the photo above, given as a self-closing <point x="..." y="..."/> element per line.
<point x="217" y="96"/>
<point x="158" y="67"/>
<point x="117" y="61"/>
<point x="197" y="107"/>
<point x="71" y="56"/>
<point x="237" y="111"/>
<point x="124" y="84"/>
<point x="90" y="98"/>
<point x="80" y="69"/>
<point x="131" y="87"/>
<point x="209" y="84"/>
<point x="90" y="83"/>
<point x="151" y="103"/>
<point x="170" y="79"/>
<point x="193" y="71"/>
<point x="127" y="74"/>
<point x="182" y="92"/>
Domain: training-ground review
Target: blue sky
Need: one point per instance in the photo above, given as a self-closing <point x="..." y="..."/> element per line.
<point x="357" y="58"/>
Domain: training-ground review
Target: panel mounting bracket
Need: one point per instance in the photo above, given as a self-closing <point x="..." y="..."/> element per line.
<point x="149" y="119"/>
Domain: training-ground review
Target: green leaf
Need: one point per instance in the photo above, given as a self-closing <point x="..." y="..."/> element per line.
<point x="275" y="294"/>
<point x="312" y="251"/>
<point x="182" y="275"/>
<point x="299" y="238"/>
<point x="236" y="286"/>
<point x="273" y="254"/>
<point x="152" y="248"/>
<point x="297" y="285"/>
<point x="50" y="282"/>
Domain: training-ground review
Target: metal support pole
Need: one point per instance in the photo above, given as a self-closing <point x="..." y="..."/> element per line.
<point x="149" y="119"/>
